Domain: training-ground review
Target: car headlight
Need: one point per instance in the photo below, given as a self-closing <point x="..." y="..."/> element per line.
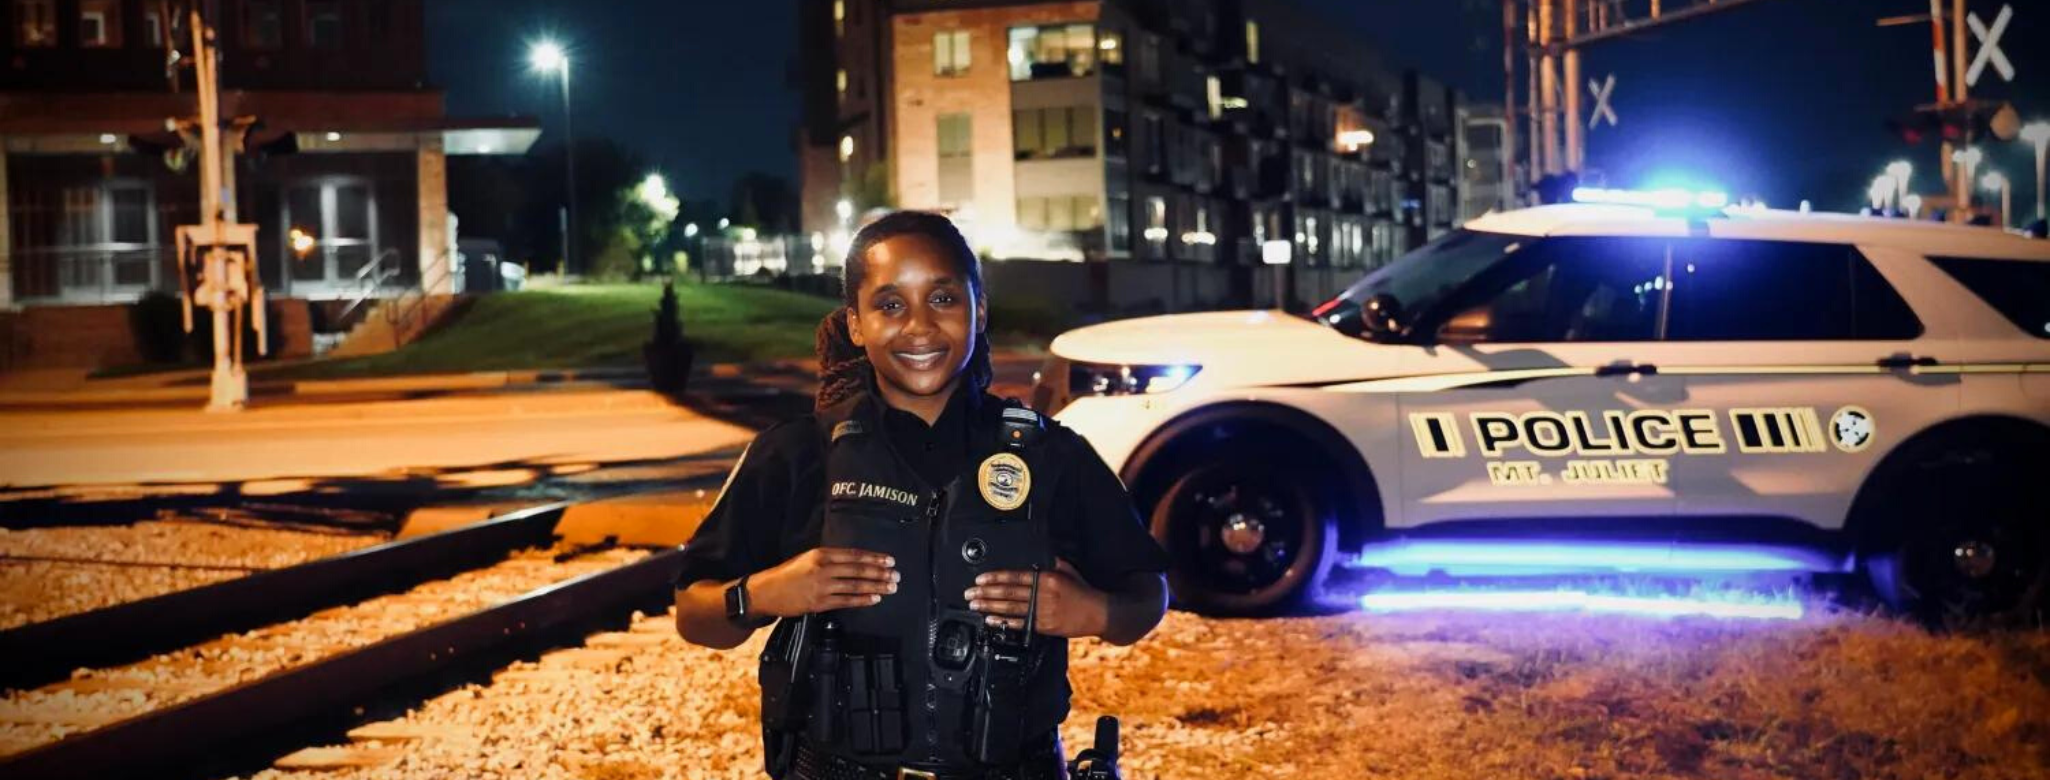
<point x="1118" y="379"/>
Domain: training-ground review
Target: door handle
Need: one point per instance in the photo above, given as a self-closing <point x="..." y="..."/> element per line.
<point x="1906" y="361"/>
<point x="1624" y="369"/>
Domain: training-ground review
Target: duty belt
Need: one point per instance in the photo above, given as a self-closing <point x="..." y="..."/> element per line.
<point x="815" y="765"/>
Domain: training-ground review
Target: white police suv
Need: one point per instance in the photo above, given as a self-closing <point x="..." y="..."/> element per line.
<point x="1596" y="388"/>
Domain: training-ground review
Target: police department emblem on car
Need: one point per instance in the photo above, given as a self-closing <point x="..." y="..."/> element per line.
<point x="1005" y="481"/>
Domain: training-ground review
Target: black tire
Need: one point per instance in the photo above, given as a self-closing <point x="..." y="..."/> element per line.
<point x="1284" y="542"/>
<point x="1959" y="535"/>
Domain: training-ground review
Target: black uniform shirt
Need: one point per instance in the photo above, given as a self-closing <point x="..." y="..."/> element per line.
<point x="773" y="505"/>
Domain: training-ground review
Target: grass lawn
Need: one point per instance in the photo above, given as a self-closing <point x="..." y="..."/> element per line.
<point x="588" y="326"/>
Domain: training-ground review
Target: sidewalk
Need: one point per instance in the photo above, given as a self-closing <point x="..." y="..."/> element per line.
<point x="72" y="391"/>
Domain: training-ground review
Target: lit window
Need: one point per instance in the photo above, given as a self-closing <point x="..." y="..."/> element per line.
<point x="839" y="17"/>
<point x="846" y="148"/>
<point x="99" y="24"/>
<point x="1252" y="41"/>
<point x="35" y="23"/>
<point x="263" y="25"/>
<point x="1055" y="51"/>
<point x="950" y="55"/>
<point x="324" y="24"/>
<point x="840" y="82"/>
<point x="1110" y="47"/>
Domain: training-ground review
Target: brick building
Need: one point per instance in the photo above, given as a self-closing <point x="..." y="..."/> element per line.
<point x="352" y="148"/>
<point x="1173" y="137"/>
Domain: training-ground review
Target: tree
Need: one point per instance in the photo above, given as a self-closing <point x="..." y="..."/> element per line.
<point x="872" y="190"/>
<point x="606" y="171"/>
<point x="764" y="202"/>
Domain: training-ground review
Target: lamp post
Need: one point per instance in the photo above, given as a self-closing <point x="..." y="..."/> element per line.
<point x="2038" y="133"/>
<point x="1880" y="192"/>
<point x="1994" y="182"/>
<point x="1969" y="158"/>
<point x="549" y="57"/>
<point x="1900" y="170"/>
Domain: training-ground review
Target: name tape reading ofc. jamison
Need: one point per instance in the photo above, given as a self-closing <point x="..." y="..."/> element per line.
<point x="1601" y="441"/>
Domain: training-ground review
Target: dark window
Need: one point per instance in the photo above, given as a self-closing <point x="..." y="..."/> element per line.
<point x="2018" y="289"/>
<point x="1564" y="289"/>
<point x="324" y="24"/>
<point x="263" y="25"/>
<point x="1054" y="132"/>
<point x="153" y="28"/>
<point x="955" y="137"/>
<point x="1738" y="290"/>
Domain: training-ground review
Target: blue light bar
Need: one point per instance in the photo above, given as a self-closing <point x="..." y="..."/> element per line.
<point x="1672" y="199"/>
<point x="1470" y="557"/>
<point x="1578" y="601"/>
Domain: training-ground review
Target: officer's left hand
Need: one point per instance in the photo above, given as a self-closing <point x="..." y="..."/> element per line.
<point x="1068" y="607"/>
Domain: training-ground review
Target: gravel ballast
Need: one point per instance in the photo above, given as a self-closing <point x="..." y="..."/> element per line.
<point x="48" y="573"/>
<point x="1428" y="695"/>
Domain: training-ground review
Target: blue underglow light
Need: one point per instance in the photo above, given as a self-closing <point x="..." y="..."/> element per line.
<point x="1462" y="557"/>
<point x="1578" y="601"/>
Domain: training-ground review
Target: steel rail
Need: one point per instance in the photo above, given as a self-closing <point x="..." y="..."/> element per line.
<point x="215" y="729"/>
<point x="46" y="652"/>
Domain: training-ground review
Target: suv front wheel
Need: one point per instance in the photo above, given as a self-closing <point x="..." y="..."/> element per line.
<point x="1246" y="535"/>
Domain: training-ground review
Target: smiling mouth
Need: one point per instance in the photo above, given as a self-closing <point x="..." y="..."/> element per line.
<point x="920" y="360"/>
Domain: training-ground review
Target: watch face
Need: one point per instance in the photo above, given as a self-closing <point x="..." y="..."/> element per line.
<point x="736" y="601"/>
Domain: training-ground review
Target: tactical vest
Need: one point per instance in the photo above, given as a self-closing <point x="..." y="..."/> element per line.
<point x="895" y="680"/>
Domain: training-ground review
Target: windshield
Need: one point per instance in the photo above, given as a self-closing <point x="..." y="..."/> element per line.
<point x="1421" y="278"/>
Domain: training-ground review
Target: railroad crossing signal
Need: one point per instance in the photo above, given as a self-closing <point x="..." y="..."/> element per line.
<point x="1989" y="46"/>
<point x="1602" y="91"/>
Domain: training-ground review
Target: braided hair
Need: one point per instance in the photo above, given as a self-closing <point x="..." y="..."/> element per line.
<point x="843" y="367"/>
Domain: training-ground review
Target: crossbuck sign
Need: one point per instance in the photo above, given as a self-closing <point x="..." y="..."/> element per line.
<point x="1989" y="46"/>
<point x="1602" y="91"/>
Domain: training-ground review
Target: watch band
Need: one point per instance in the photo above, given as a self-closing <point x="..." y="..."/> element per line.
<point x="740" y="606"/>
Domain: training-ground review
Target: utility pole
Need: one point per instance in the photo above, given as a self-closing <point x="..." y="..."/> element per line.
<point x="1961" y="181"/>
<point x="1513" y="186"/>
<point x="1576" y="138"/>
<point x="1548" y="86"/>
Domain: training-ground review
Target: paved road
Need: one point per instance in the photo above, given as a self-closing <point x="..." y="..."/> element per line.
<point x="473" y="441"/>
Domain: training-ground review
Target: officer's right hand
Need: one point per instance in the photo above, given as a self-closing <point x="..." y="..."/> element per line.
<point x="824" y="579"/>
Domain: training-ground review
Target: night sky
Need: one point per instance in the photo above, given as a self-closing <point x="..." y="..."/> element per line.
<point x="1785" y="99"/>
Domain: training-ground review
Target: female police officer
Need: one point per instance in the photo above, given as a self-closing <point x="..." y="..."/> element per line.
<point x="929" y="547"/>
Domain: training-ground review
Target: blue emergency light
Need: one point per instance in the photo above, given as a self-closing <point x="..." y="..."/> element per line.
<point x="1670" y="199"/>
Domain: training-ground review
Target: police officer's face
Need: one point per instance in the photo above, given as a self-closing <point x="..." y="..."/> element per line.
<point x="916" y="318"/>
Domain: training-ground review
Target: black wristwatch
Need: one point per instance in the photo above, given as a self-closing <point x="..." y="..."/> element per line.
<point x="740" y="608"/>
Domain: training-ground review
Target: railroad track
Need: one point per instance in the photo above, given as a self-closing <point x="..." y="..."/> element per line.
<point x="227" y="676"/>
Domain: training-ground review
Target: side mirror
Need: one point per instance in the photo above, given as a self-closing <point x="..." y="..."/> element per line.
<point x="1382" y="315"/>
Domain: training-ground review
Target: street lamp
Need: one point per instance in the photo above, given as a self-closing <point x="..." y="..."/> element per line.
<point x="2038" y="133"/>
<point x="549" y="57"/>
<point x="1882" y="189"/>
<point x="1900" y="170"/>
<point x="1994" y="182"/>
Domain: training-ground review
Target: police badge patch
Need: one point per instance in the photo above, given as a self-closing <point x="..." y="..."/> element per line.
<point x="1005" y="481"/>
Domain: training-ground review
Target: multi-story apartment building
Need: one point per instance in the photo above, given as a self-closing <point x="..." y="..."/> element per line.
<point x="1136" y="131"/>
<point x="1489" y="170"/>
<point x="350" y="146"/>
